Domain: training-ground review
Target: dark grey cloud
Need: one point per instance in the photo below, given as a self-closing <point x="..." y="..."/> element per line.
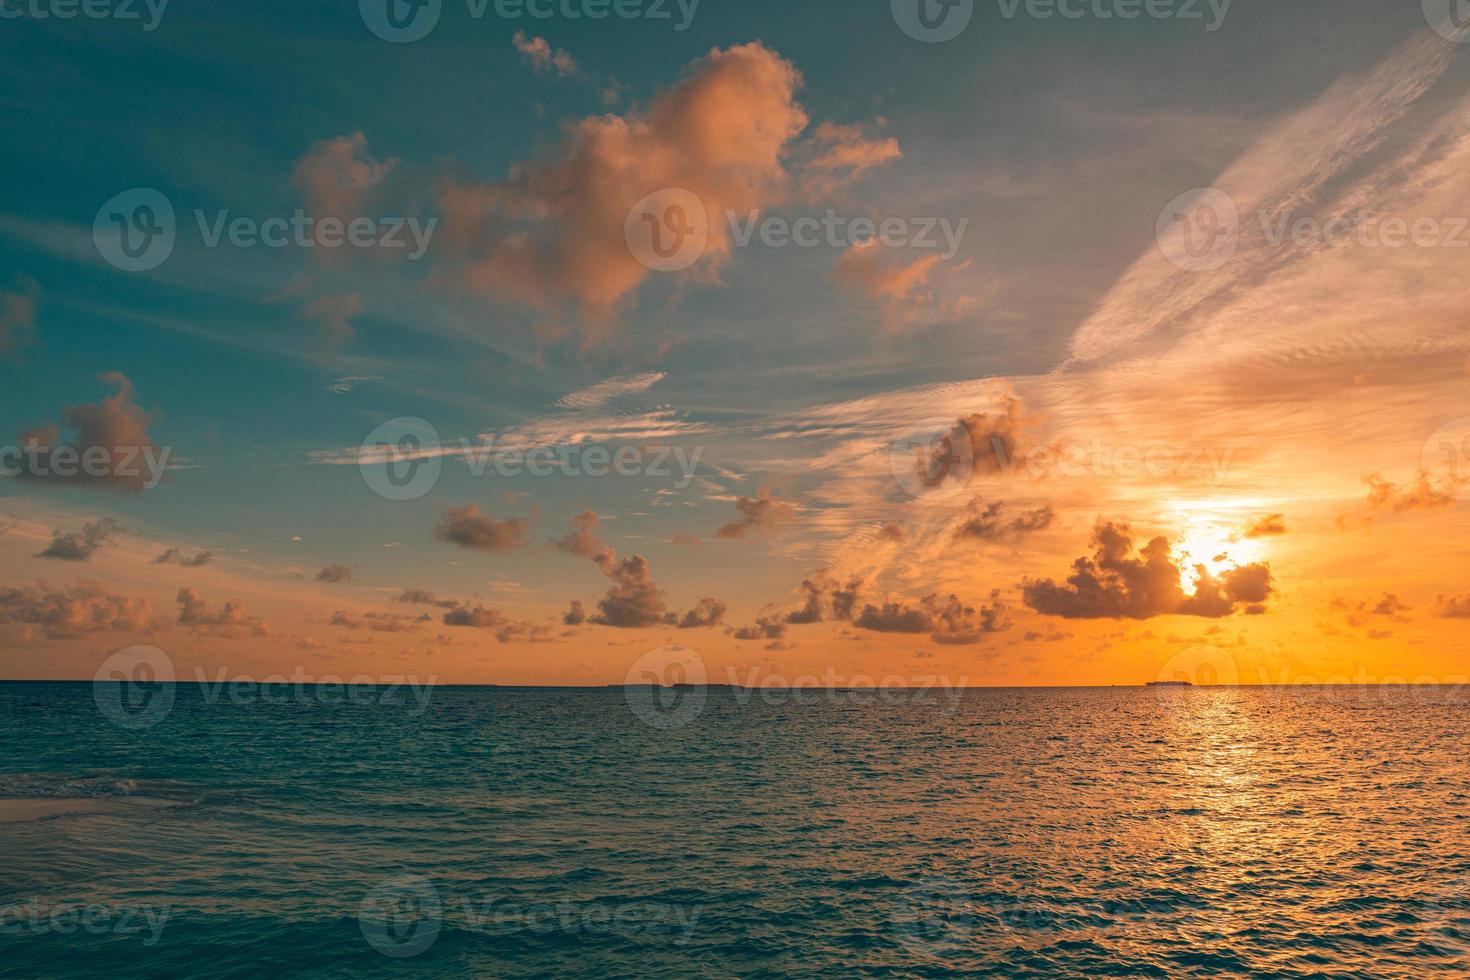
<point x="174" y="556"/>
<point x="997" y="521"/>
<point x="468" y="528"/>
<point x="81" y="545"/>
<point x="1114" y="584"/>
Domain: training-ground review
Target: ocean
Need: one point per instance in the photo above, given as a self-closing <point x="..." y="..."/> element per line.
<point x="503" y="832"/>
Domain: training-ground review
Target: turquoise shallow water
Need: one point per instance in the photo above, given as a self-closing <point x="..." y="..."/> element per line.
<point x="503" y="832"/>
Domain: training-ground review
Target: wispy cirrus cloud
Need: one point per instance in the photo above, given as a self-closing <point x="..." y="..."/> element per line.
<point x="603" y="392"/>
<point x="1288" y="168"/>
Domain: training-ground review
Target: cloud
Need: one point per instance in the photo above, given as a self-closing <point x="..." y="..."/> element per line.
<point x="1360" y="614"/>
<point x="111" y="448"/>
<point x="686" y="539"/>
<point x="82" y="608"/>
<point x="464" y="526"/>
<point x="506" y="629"/>
<point x="839" y="154"/>
<point x="1422" y="494"/>
<point x="81" y="545"/>
<point x="423" y="597"/>
<point x="827" y="599"/>
<point x="542" y="57"/>
<point x="1114" y="585"/>
<point x="1272" y="525"/>
<point x="603" y="392"/>
<point x="334" y="573"/>
<point x="174" y="556"/>
<point x="991" y="443"/>
<point x="380" y="622"/>
<point x="194" y="611"/>
<point x="18" y="315"/>
<point x="757" y="514"/>
<point x="900" y="287"/>
<point x="765" y="628"/>
<point x="1301" y="158"/>
<point x="947" y="620"/>
<point x="342" y="386"/>
<point x="992" y="523"/>
<point x="998" y="439"/>
<point x="1453" y="607"/>
<point x="633" y="600"/>
<point x="336" y="174"/>
<point x="709" y="612"/>
<point x="582" y="539"/>
<point x="552" y="236"/>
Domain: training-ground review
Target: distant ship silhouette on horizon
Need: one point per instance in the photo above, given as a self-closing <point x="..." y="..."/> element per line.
<point x="1169" y="684"/>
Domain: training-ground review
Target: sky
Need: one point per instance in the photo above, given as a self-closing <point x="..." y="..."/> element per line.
<point x="1017" y="343"/>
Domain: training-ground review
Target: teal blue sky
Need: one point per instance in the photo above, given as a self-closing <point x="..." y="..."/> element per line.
<point x="1057" y="141"/>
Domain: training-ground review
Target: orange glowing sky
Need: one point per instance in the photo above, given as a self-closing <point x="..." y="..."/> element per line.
<point x="1247" y="462"/>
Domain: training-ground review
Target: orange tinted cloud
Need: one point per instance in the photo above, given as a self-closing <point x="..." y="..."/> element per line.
<point x="1422" y="494"/>
<point x="759" y="513"/>
<point x="841" y="154"/>
<point x="81" y="608"/>
<point x="542" y="56"/>
<point x="114" y="432"/>
<point x="900" y="287"/>
<point x="336" y="174"/>
<point x="553" y="233"/>
<point x="582" y="539"/>
<point x="1272" y="525"/>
